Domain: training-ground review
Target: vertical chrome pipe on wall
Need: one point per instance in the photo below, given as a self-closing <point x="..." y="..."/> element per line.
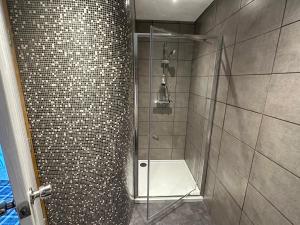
<point x="76" y="70"/>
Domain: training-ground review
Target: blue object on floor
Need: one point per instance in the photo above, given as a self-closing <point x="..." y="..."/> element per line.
<point x="6" y="194"/>
<point x="3" y="172"/>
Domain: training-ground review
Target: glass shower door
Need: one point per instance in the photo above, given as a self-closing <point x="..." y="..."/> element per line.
<point x="180" y="117"/>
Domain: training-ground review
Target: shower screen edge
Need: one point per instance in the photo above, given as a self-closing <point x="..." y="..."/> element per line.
<point x="217" y="66"/>
<point x="152" y="35"/>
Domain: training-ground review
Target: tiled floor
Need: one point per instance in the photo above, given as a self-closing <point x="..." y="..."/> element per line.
<point x="11" y="217"/>
<point x="192" y="213"/>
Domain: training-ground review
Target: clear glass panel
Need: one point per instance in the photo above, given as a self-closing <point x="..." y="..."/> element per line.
<point x="6" y="195"/>
<point x="180" y="84"/>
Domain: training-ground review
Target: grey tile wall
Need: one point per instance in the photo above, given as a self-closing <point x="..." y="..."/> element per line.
<point x="169" y="124"/>
<point x="254" y="160"/>
<point x="80" y="115"/>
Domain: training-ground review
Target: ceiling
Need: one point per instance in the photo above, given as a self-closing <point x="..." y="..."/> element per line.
<point x="171" y="10"/>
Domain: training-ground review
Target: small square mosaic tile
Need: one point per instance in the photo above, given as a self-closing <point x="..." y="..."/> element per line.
<point x="76" y="71"/>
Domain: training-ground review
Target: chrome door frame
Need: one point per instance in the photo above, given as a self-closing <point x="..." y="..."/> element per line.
<point x="217" y="65"/>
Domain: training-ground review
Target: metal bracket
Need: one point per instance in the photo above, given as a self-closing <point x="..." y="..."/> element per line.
<point x="42" y="193"/>
<point x="23" y="209"/>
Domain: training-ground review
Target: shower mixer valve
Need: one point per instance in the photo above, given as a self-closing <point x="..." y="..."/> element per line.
<point x="163" y="95"/>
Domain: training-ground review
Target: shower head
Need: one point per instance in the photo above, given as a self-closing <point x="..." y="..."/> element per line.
<point x="172" y="52"/>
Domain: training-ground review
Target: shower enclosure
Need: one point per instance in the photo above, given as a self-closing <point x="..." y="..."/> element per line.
<point x="174" y="115"/>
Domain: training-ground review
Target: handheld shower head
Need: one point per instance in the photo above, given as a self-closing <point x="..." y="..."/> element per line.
<point x="172" y="53"/>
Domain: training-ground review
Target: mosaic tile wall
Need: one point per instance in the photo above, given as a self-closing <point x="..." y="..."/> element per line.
<point x="75" y="65"/>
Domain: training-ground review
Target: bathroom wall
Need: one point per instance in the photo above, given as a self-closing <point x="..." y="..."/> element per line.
<point x="253" y="172"/>
<point x="76" y="72"/>
<point x="168" y="123"/>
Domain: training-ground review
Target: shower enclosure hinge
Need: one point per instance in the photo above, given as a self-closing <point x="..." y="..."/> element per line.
<point x="42" y="193"/>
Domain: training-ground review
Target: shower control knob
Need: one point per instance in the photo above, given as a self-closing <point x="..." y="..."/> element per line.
<point x="155" y="137"/>
<point x="42" y="193"/>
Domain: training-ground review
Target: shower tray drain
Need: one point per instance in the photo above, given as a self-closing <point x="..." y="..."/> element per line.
<point x="143" y="164"/>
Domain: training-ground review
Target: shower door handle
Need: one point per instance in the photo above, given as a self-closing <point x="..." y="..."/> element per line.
<point x="42" y="193"/>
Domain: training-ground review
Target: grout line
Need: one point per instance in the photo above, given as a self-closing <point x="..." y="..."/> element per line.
<point x="282" y="167"/>
<point x="287" y="121"/>
<point x="258" y="35"/>
<point x="261" y="113"/>
<point x="233" y="199"/>
<point x="290" y="23"/>
<point x="243" y="212"/>
<point x="252" y="185"/>
<point x="252" y="160"/>
<point x="247" y="3"/>
<point x="257" y="151"/>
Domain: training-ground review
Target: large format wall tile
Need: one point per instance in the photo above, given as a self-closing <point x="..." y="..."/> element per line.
<point x="234" y="166"/>
<point x="209" y="185"/>
<point x="278" y="185"/>
<point x="245" y="2"/>
<point x="242" y="124"/>
<point x="255" y="56"/>
<point x="248" y="92"/>
<point x="143" y="114"/>
<point x="183" y="84"/>
<point x="180" y="114"/>
<point x="161" y="141"/>
<point x="171" y="26"/>
<point x="177" y="154"/>
<point x="187" y="28"/>
<point x="204" y="65"/>
<point x="260" y="211"/>
<point x="143" y="50"/>
<point x="216" y="137"/>
<point x="226" y="8"/>
<point x="226" y="61"/>
<point x="179" y="142"/>
<point x="245" y="220"/>
<point x="161" y="128"/>
<point x="254" y="93"/>
<point x="143" y="67"/>
<point x="222" y="89"/>
<point x="207" y="20"/>
<point x="224" y="209"/>
<point x="214" y="147"/>
<point x="184" y="68"/>
<point x="292" y="11"/>
<point x="280" y="141"/>
<point x="159" y="154"/>
<point x="259" y="17"/>
<point x="219" y="113"/>
<point x="283" y="97"/>
<point x="185" y="51"/>
<point x="288" y="53"/>
<point x="199" y="85"/>
<point x="182" y="99"/>
<point x="228" y="30"/>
